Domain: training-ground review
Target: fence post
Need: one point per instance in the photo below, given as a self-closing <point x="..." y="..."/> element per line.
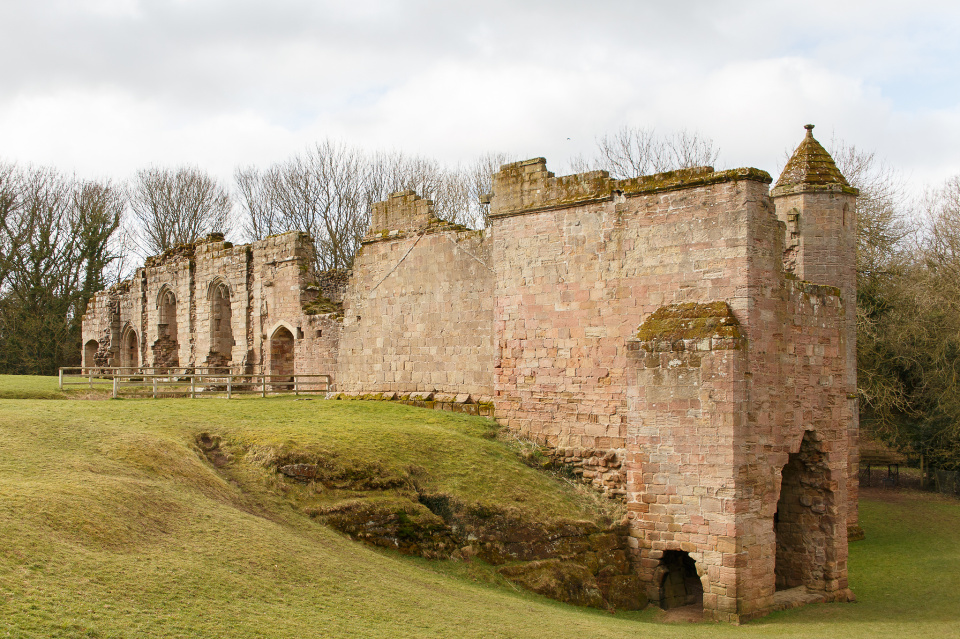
<point x="154" y="387"/>
<point x="61" y="379"/>
<point x="263" y="385"/>
<point x="229" y="386"/>
<point x="193" y="382"/>
<point x="114" y="386"/>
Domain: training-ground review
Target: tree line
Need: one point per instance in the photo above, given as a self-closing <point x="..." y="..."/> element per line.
<point x="62" y="239"/>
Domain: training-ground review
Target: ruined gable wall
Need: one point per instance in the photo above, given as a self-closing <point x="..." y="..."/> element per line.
<point x="269" y="284"/>
<point x="97" y="325"/>
<point x="418" y="315"/>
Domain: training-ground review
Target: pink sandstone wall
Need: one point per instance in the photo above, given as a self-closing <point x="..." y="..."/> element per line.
<point x="419" y="308"/>
<point x="702" y="435"/>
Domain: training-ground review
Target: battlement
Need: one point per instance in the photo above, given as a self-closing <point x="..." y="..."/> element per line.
<point x="527" y="186"/>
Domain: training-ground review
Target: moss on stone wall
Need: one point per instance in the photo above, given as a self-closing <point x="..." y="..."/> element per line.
<point x="690" y="321"/>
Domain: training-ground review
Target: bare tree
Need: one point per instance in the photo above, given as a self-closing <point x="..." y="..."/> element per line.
<point x="635" y="151"/>
<point x="321" y="192"/>
<point x="329" y="192"/>
<point x="257" y="197"/>
<point x="176" y="206"/>
<point x="883" y="222"/>
<point x="942" y="237"/>
<point x="11" y="191"/>
<point x="479" y="182"/>
<point x="885" y="257"/>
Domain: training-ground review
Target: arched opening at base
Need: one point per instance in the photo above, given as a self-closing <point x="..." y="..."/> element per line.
<point x="805" y="517"/>
<point x="282" y="359"/>
<point x="679" y="583"/>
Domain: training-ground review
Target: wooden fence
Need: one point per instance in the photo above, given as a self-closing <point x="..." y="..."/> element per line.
<point x="189" y="382"/>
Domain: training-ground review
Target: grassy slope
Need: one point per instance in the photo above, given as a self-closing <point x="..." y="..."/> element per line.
<point x="111" y="525"/>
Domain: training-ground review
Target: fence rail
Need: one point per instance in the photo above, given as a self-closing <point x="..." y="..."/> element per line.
<point x="190" y="382"/>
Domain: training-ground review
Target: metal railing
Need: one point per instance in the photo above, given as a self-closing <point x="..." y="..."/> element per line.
<point x="189" y="382"/>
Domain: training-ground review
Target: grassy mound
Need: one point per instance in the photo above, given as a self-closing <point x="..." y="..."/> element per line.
<point x="114" y="522"/>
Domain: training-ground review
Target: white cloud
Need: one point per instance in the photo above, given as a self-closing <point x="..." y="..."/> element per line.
<point x="107" y="86"/>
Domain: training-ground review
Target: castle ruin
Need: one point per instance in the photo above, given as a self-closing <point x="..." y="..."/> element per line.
<point x="686" y="340"/>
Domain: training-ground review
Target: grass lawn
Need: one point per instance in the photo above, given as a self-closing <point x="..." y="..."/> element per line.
<point x="113" y="525"/>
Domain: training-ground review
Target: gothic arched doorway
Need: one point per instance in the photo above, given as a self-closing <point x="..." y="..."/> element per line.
<point x="166" y="349"/>
<point x="130" y="349"/>
<point x="282" y="358"/>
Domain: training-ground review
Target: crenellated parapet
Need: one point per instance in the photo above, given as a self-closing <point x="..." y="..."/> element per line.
<point x="527" y="186"/>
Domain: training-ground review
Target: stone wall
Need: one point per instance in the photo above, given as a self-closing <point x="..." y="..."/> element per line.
<point x="418" y="314"/>
<point x="230" y="302"/>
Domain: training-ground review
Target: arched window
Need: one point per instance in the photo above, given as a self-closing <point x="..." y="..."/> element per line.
<point x="166" y="349"/>
<point x="221" y="327"/>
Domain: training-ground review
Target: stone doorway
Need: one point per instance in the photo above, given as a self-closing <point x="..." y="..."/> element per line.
<point x="805" y="516"/>
<point x="90" y="353"/>
<point x="282" y="357"/>
<point x="679" y="582"/>
<point x="130" y="350"/>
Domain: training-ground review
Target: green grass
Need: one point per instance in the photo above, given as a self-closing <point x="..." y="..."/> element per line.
<point x="113" y="525"/>
<point x="29" y="387"/>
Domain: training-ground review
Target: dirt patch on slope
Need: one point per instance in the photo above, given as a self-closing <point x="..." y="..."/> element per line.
<point x="572" y="560"/>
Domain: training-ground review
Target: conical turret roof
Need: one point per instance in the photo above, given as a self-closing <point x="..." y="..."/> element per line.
<point x="811" y="166"/>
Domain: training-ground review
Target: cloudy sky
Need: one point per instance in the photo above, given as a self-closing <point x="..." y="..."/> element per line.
<point x="103" y="87"/>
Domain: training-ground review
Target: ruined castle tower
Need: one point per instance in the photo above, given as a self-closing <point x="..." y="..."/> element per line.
<point x="818" y="207"/>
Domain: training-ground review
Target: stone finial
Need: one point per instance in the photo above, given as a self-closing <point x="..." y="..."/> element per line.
<point x="811" y="166"/>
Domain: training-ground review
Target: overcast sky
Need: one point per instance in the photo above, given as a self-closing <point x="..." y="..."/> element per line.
<point x="104" y="87"/>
